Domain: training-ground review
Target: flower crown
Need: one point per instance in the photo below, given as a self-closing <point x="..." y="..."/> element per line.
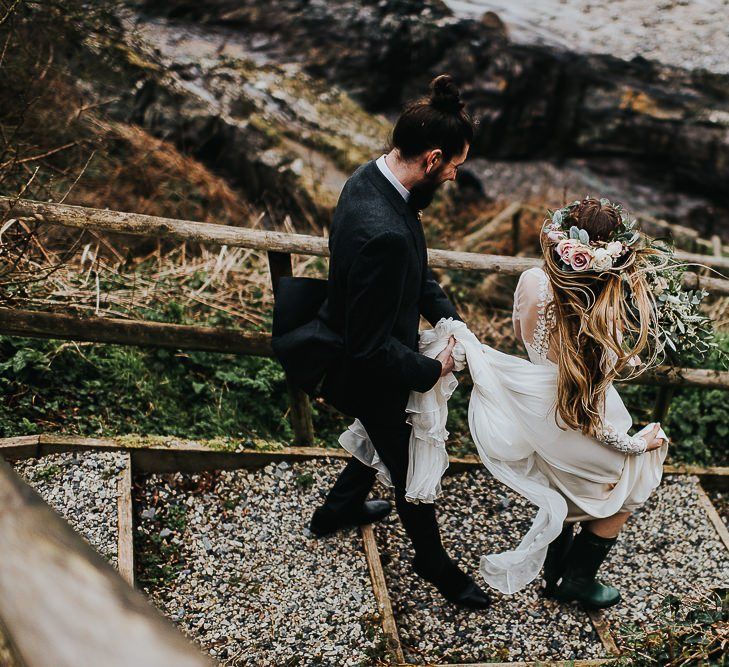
<point x="575" y="249"/>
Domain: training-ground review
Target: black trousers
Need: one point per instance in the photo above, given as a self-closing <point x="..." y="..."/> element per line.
<point x="390" y="437"/>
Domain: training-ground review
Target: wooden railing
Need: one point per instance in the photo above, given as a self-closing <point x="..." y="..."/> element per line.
<point x="279" y="246"/>
<point x="62" y="604"/>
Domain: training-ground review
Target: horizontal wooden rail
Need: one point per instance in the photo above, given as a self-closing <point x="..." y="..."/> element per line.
<point x="149" y="225"/>
<point x="62" y="604"/>
<point x="39" y="324"/>
<point x="153" y="457"/>
<point x="666" y="376"/>
<point x="198" y="455"/>
<point x="716" y="286"/>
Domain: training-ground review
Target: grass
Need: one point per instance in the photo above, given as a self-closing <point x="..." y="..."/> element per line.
<point x="48" y="473"/>
<point x="159" y="559"/>
<point x="689" y="631"/>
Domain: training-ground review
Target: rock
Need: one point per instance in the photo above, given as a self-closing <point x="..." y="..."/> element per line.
<point x="531" y="100"/>
<point x="491" y="21"/>
<point x="285" y="139"/>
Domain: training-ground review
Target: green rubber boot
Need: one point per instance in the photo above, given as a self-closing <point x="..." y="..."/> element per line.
<point x="554" y="563"/>
<point x="578" y="583"/>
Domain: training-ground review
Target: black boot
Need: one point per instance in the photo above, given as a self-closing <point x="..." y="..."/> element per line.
<point x="325" y="522"/>
<point x="454" y="585"/>
<point x="554" y="563"/>
<point x="578" y="582"/>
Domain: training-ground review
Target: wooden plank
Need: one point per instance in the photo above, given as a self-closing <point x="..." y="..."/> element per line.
<point x="516" y="232"/>
<point x="662" y="404"/>
<point x="40" y="324"/>
<point x="719" y="263"/>
<point x="486" y="230"/>
<point x="667" y="376"/>
<point x="716" y="286"/>
<point x="63" y="604"/>
<point x="603" y="631"/>
<point x="701" y="471"/>
<point x="185" y="456"/>
<point x="714" y="517"/>
<point x="20" y="447"/>
<point x="716" y="246"/>
<point x="137" y="224"/>
<point x="125" y="523"/>
<point x="715" y="478"/>
<point x="195" y="455"/>
<point x="537" y="663"/>
<point x="382" y="595"/>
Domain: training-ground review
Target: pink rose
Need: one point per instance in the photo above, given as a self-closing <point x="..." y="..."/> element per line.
<point x="581" y="259"/>
<point x="565" y="248"/>
<point x="556" y="235"/>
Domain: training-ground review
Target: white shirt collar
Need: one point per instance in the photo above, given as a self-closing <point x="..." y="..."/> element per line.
<point x="382" y="165"/>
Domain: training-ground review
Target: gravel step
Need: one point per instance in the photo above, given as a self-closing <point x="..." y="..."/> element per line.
<point x="249" y="584"/>
<point x="82" y="488"/>
<point x="227" y="556"/>
<point x="669" y="546"/>
<point x="478" y="515"/>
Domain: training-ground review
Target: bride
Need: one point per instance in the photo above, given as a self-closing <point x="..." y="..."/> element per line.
<point x="554" y="428"/>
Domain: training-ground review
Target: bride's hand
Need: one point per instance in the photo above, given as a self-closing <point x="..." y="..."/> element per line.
<point x="446" y="357"/>
<point x="651" y="440"/>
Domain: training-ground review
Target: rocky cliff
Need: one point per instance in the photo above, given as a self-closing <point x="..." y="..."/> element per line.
<point x="531" y="100"/>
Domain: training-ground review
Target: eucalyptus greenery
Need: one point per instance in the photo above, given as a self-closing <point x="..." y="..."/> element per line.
<point x="686" y="334"/>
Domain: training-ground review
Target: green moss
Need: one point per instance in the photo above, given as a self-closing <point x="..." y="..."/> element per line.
<point x="327" y="120"/>
<point x="49" y="472"/>
<point x="220" y="443"/>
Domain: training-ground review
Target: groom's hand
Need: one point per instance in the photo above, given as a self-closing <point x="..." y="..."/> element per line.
<point x="446" y="357"/>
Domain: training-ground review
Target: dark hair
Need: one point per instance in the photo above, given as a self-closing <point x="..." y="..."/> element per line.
<point x="597" y="220"/>
<point x="436" y="121"/>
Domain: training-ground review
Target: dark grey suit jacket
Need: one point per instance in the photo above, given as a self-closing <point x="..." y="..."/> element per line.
<point x="360" y="349"/>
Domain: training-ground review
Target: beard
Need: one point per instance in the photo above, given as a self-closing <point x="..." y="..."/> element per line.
<point x="421" y="195"/>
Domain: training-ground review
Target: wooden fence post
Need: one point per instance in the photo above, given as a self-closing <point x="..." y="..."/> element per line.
<point x="516" y="232"/>
<point x="663" y="402"/>
<point x="279" y="264"/>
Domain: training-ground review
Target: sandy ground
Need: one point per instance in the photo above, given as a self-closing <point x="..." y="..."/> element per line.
<point x="684" y="33"/>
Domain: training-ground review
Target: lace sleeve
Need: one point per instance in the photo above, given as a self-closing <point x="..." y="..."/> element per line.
<point x="527" y="303"/>
<point x="533" y="319"/>
<point x="627" y="444"/>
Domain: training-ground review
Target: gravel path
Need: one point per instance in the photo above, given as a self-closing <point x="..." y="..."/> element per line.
<point x="669" y="546"/>
<point x="685" y="33"/>
<point x="477" y="515"/>
<point x="82" y="488"/>
<point x="239" y="573"/>
<point x="248" y="584"/>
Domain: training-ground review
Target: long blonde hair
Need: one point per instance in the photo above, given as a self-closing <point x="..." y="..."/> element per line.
<point x="601" y="320"/>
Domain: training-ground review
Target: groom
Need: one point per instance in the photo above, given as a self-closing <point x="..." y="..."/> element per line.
<point x="359" y="351"/>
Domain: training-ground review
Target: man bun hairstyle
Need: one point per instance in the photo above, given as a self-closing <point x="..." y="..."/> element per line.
<point x="436" y="121"/>
<point x="444" y="94"/>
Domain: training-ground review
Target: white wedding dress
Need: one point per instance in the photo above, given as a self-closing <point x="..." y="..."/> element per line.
<point x="511" y="416"/>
